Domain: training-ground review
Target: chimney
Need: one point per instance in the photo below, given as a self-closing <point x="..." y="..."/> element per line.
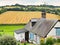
<point x="43" y="14"/>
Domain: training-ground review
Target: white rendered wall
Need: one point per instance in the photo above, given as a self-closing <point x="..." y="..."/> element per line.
<point x="58" y="24"/>
<point x="19" y="37"/>
<point x="36" y="39"/>
<point x="52" y="33"/>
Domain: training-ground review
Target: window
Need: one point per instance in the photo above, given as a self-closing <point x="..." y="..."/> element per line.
<point x="31" y="36"/>
<point x="58" y="31"/>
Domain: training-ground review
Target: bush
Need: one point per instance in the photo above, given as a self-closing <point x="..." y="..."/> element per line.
<point x="7" y="40"/>
<point x="42" y="41"/>
<point x="50" y="41"/>
<point x="0" y="34"/>
<point x="3" y="10"/>
<point x="58" y="40"/>
<point x="25" y="43"/>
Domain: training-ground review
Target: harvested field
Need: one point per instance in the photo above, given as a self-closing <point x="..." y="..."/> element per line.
<point x="20" y="17"/>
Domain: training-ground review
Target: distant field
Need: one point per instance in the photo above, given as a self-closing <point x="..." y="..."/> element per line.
<point x="12" y="7"/>
<point x="18" y="17"/>
<point x="57" y="8"/>
<point x="9" y="29"/>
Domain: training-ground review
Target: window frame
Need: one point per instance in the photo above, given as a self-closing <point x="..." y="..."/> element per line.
<point x="56" y="30"/>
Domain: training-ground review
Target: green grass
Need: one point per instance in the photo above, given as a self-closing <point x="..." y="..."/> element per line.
<point x="26" y="43"/>
<point x="57" y="44"/>
<point x="9" y="29"/>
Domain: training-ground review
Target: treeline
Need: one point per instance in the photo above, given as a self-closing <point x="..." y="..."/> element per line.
<point x="49" y="8"/>
<point x="2" y="10"/>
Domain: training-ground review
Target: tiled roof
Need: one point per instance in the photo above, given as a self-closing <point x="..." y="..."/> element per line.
<point x="20" y="31"/>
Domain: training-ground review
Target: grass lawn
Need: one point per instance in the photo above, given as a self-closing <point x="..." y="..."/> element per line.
<point x="9" y="29"/>
<point x="57" y="44"/>
<point x="26" y="44"/>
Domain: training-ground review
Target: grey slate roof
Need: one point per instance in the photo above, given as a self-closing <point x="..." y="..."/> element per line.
<point x="25" y="30"/>
<point x="28" y="26"/>
<point x="20" y="31"/>
<point x="42" y="27"/>
<point x="35" y="19"/>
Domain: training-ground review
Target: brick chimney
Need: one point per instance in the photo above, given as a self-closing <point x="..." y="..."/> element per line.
<point x="43" y="15"/>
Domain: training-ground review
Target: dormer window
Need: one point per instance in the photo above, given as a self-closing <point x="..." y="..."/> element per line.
<point x="33" y="23"/>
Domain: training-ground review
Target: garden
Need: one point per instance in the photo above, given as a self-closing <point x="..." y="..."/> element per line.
<point x="10" y="40"/>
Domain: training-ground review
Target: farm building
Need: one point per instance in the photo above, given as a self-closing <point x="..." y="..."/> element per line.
<point x="35" y="29"/>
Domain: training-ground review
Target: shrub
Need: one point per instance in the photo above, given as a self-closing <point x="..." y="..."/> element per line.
<point x="7" y="40"/>
<point x="25" y="43"/>
<point x="58" y="40"/>
<point x="3" y="10"/>
<point x="42" y="41"/>
<point x="0" y="34"/>
<point x="50" y="41"/>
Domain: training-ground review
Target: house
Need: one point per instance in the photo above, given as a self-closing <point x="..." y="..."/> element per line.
<point x="35" y="29"/>
<point x="24" y="34"/>
<point x="55" y="32"/>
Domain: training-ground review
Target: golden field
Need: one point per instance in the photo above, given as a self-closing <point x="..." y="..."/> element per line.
<point x="22" y="17"/>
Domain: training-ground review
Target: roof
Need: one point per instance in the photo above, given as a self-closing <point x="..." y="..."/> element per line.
<point x="22" y="17"/>
<point x="20" y="31"/>
<point x="42" y="27"/>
